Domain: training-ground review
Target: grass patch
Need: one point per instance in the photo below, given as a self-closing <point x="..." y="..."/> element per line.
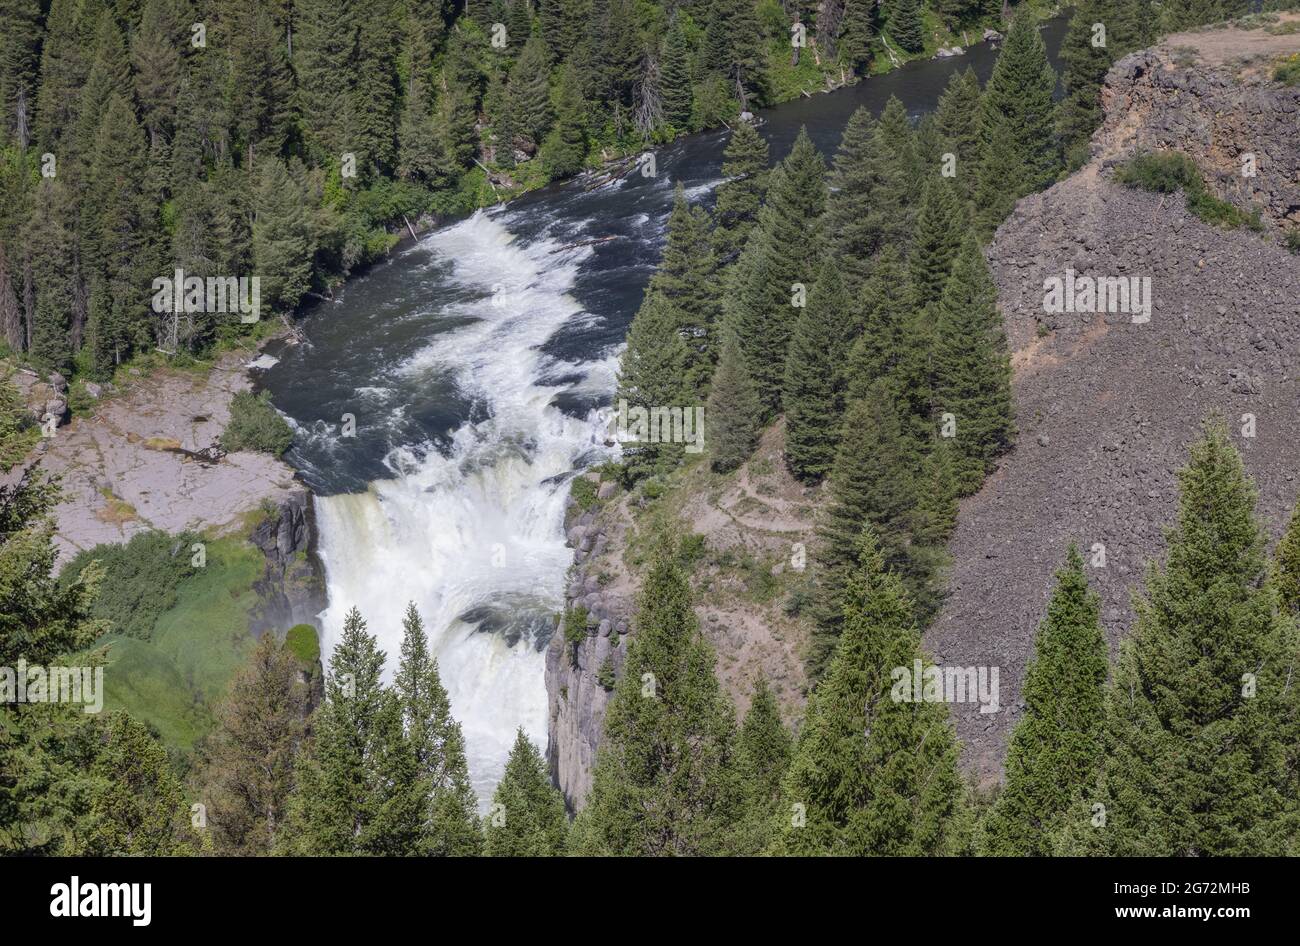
<point x="115" y="510"/>
<point x="1293" y="241"/>
<point x="303" y="643"/>
<point x="1166" y="172"/>
<point x="174" y="680"/>
<point x="255" y="425"/>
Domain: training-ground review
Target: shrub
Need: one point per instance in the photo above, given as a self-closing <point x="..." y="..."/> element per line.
<point x="18" y="432"/>
<point x="583" y="492"/>
<point x="302" y="642"/>
<point x="1166" y="172"/>
<point x="575" y="624"/>
<point x="1287" y="71"/>
<point x="141" y="579"/>
<point x="606" y="676"/>
<point x="255" y="425"/>
<point x="1293" y="241"/>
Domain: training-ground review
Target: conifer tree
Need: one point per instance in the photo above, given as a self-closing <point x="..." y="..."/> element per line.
<point x="744" y="165"/>
<point x="734" y="43"/>
<point x="675" y="78"/>
<point x="972" y="368"/>
<point x="872" y="773"/>
<point x="1056" y="747"/>
<point x="957" y="119"/>
<point x="940" y="226"/>
<point x="1182" y="14"/>
<point x="260" y="95"/>
<point x="871" y="483"/>
<point x="282" y="235"/>
<point x="781" y="255"/>
<point x="905" y="25"/>
<point x="899" y="139"/>
<point x="762" y="755"/>
<point x="338" y="793"/>
<point x="20" y="45"/>
<point x="109" y="76"/>
<point x="864" y="211"/>
<point x="881" y="349"/>
<point x="652" y="376"/>
<point x="732" y="412"/>
<point x="249" y="771"/>
<point x="813" y="393"/>
<point x="50" y="251"/>
<point x="1018" y="146"/>
<point x="686" y="278"/>
<point x="1085" y="64"/>
<point x="156" y="56"/>
<point x="325" y="42"/>
<point x="1200" y="747"/>
<point x="529" y="100"/>
<point x="451" y="825"/>
<point x="856" y="34"/>
<point x="1287" y="564"/>
<point x="565" y="148"/>
<point x="528" y="818"/>
<point x="69" y="33"/>
<point x="663" y="782"/>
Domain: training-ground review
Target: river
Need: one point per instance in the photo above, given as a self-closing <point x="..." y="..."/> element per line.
<point x="476" y="364"/>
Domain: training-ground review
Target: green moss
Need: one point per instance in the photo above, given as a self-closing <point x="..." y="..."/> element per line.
<point x="303" y="642"/>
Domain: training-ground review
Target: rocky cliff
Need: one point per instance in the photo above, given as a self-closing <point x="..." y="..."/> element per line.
<point x="1107" y="402"/>
<point x="292" y="587"/>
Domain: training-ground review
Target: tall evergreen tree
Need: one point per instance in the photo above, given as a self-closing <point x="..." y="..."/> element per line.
<point x="529" y="99"/>
<point x="663" y="782"/>
<point x="856" y="32"/>
<point x="740" y="195"/>
<point x="905" y="25"/>
<point x="781" y="255"/>
<point x="1287" y="564"/>
<point x="527" y="818"/>
<point x="732" y="412"/>
<point x="1201" y="742"/>
<point x="972" y="369"/>
<point x="1056" y="747"/>
<point x="325" y="44"/>
<point x="687" y="278"/>
<point x="813" y="393"/>
<point x="940" y="225"/>
<point x="20" y="45"/>
<point x="1019" y="153"/>
<point x="957" y="119"/>
<point x="283" y="235"/>
<point x="676" y="78"/>
<point x="652" y="377"/>
<point x="864" y="211"/>
<point x="451" y="825"/>
<point x="763" y="750"/>
<point x="1086" y="57"/>
<point x="872" y="483"/>
<point x="339" y="791"/>
<point x="900" y="146"/>
<point x="249" y="772"/>
<point x="872" y="773"/>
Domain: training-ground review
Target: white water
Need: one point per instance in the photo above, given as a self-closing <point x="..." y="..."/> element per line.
<point x="482" y="526"/>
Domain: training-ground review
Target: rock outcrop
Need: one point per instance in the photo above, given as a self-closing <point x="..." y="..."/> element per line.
<point x="1211" y="96"/>
<point x="1106" y="402"/>
<point x="292" y="587"/>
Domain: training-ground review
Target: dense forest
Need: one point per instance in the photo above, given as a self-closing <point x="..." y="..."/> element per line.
<point x="852" y="300"/>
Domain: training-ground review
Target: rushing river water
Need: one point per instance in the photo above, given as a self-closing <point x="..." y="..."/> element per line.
<point x="476" y="364"/>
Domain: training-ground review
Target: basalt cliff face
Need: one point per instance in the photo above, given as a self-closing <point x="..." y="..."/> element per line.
<point x="1107" y="401"/>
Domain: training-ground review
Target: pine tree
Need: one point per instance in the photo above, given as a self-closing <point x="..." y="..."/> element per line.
<point x="565" y="148"/>
<point x="663" y="782"/>
<point x="451" y="825"/>
<point x="871" y="483"/>
<point x="734" y="44"/>
<point x="740" y="195"/>
<point x="1201" y="741"/>
<point x="325" y="44"/>
<point x="1056" y="747"/>
<point x="282" y="235"/>
<point x="109" y="77"/>
<point x="957" y="119"/>
<point x="529" y="99"/>
<point x="338" y="791"/>
<point x="1018" y="144"/>
<point x="899" y="139"/>
<point x="419" y="156"/>
<point x="1183" y="14"/>
<point x="905" y="25"/>
<point x="855" y="36"/>
<point x="49" y="249"/>
<point x="972" y="368"/>
<point x="763" y="750"/>
<point x="733" y="409"/>
<point x="883" y="337"/>
<point x="872" y="773"/>
<point x="1287" y="564"/>
<point x="864" y="211"/>
<point x="156" y="56"/>
<point x="781" y="255"/>
<point x="250" y="760"/>
<point x="687" y="278"/>
<point x="1085" y="66"/>
<point x="652" y="377"/>
<point x="940" y="225"/>
<point x="69" y="32"/>
<point x="528" y="818"/>
<point x="20" y="44"/>
<point x="676" y="78"/>
<point x="813" y="393"/>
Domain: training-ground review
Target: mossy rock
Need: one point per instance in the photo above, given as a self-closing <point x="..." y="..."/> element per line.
<point x="303" y="642"/>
